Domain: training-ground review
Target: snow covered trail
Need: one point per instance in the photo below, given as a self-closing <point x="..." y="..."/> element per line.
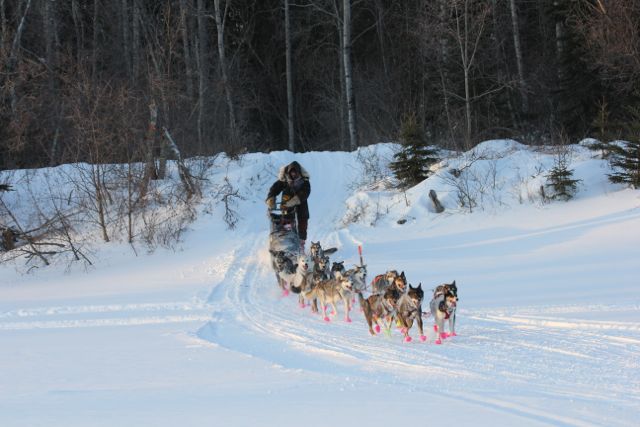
<point x="578" y="363"/>
<point x="87" y="316"/>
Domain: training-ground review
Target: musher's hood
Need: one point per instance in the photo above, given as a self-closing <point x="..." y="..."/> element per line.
<point x="284" y="170"/>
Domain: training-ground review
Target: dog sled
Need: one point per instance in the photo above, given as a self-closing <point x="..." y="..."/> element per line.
<point x="284" y="232"/>
<point x="284" y="242"/>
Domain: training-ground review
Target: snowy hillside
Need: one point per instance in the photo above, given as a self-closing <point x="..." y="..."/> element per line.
<point x="548" y="320"/>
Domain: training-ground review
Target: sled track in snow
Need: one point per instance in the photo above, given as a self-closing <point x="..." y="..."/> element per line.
<point x="90" y="316"/>
<point x="492" y="345"/>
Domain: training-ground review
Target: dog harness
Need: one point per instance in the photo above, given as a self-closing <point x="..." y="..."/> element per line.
<point x="376" y="279"/>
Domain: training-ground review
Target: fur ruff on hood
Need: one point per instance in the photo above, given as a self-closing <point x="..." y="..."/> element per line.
<point x="283" y="169"/>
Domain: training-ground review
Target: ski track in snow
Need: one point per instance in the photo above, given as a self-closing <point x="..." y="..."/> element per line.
<point x="572" y="354"/>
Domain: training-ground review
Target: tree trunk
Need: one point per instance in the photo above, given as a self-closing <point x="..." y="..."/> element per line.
<point x="348" y="76"/>
<point x="203" y="75"/>
<point x="559" y="45"/>
<point x="220" y="18"/>
<point x="466" y="64"/>
<point x="94" y="51"/>
<point x="444" y="59"/>
<point x="287" y="31"/>
<point x="78" y="26"/>
<point x="126" y="37"/>
<point x="518" y="50"/>
<point x="500" y="59"/>
<point x="135" y="41"/>
<point x="12" y="62"/>
<point x="101" y="202"/>
<point x="184" y="29"/>
<point x="3" y="29"/>
<point x="380" y="30"/>
<point x="183" y="170"/>
<point x="150" y="165"/>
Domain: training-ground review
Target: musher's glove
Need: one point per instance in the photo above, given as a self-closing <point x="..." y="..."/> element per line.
<point x="271" y="202"/>
<point x="294" y="201"/>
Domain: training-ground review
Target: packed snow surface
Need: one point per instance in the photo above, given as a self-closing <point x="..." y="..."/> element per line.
<point x="548" y="320"/>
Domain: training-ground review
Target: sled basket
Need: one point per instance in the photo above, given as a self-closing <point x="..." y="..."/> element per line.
<point x="284" y="233"/>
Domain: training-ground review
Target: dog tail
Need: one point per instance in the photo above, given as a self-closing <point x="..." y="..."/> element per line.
<point x="330" y="251"/>
<point x="366" y="308"/>
<point x="296" y="289"/>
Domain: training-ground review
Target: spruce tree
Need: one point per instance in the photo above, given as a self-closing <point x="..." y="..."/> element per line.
<point x="411" y="164"/>
<point x="625" y="156"/>
<point x="560" y="179"/>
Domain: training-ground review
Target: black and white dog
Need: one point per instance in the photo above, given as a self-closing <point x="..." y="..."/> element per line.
<point x="443" y="307"/>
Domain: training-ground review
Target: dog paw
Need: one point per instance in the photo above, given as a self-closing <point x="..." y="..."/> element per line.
<point x="403" y="331"/>
<point x="347" y="319"/>
<point x="377" y="329"/>
<point x="453" y="334"/>
<point x="285" y="292"/>
<point x="326" y="319"/>
<point x="407" y="339"/>
<point x="435" y="328"/>
<point x="438" y="341"/>
<point x="444" y="335"/>
<point x="423" y="338"/>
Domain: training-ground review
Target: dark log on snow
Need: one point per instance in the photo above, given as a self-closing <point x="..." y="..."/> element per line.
<point x="436" y="203"/>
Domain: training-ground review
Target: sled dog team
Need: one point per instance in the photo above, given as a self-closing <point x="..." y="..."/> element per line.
<point x="392" y="301"/>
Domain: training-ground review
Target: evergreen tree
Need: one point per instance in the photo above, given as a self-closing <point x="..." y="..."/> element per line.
<point x="411" y="164"/>
<point x="560" y="181"/>
<point x="625" y="156"/>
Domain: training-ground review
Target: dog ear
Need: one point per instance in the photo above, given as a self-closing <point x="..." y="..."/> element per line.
<point x="419" y="285"/>
<point x="454" y="283"/>
<point x="402" y="275"/>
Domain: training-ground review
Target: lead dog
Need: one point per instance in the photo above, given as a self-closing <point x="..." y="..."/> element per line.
<point x="446" y="287"/>
<point x="443" y="307"/>
<point x="410" y="310"/>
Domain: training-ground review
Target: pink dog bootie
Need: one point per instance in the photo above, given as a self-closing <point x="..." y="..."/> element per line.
<point x="423" y="338"/>
<point x="377" y="329"/>
<point x="408" y="339"/>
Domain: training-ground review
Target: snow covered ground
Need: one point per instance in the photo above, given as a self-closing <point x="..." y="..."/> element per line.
<point x="548" y="321"/>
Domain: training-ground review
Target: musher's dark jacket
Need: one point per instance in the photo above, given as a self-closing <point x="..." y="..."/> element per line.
<point x="300" y="187"/>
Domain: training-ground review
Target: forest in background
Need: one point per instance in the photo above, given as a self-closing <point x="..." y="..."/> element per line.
<point x="106" y="81"/>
